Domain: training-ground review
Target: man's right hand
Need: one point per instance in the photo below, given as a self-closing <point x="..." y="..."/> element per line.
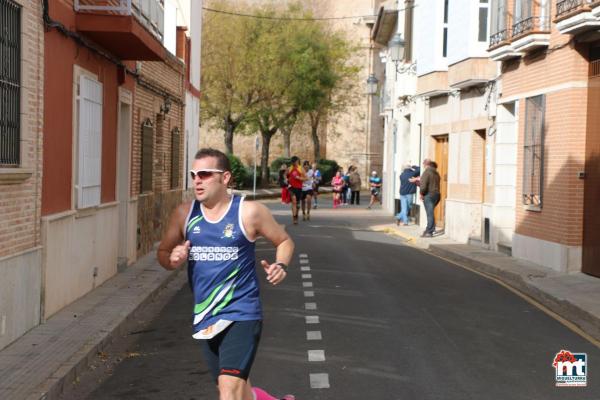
<point x="179" y="254"/>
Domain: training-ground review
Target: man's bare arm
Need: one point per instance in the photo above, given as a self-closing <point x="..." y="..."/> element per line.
<point x="172" y="238"/>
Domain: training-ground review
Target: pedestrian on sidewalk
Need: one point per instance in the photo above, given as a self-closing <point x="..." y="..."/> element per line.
<point x="344" y="193"/>
<point x="295" y="178"/>
<point x="338" y="185"/>
<point x="355" y="184"/>
<point x="216" y="234"/>
<point x="283" y="184"/>
<point x="408" y="189"/>
<point x="317" y="178"/>
<point x="307" y="190"/>
<point x="375" y="182"/>
<point x="430" y="194"/>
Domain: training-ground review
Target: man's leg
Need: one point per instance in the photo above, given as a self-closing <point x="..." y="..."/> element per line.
<point x="403" y="216"/>
<point x="303" y="202"/>
<point x="308" y="201"/>
<point x="429" y="205"/>
<point x="409" y="203"/>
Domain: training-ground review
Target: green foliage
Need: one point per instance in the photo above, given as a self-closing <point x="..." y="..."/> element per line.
<point x="328" y="169"/>
<point x="238" y="171"/>
<point x="276" y="164"/>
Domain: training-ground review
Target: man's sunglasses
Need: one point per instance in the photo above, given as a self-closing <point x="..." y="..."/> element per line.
<point x="205" y="173"/>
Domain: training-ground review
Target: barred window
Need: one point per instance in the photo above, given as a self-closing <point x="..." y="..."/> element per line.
<point x="175" y="164"/>
<point x="147" y="155"/>
<point x="10" y="83"/>
<point x="533" y="151"/>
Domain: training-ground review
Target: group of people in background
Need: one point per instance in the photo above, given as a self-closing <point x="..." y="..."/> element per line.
<point x="429" y="191"/>
<point x="300" y="187"/>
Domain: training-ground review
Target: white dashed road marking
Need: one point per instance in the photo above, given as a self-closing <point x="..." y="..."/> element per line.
<point x="316" y="355"/>
<point x="306" y="276"/>
<point x="303" y="255"/>
<point x="307" y="284"/>
<point x="312" y="319"/>
<point x="310" y="306"/>
<point x="313" y="335"/>
<point x="309" y="293"/>
<point x="303" y="261"/>
<point x="304" y="268"/>
<point x="319" y="381"/>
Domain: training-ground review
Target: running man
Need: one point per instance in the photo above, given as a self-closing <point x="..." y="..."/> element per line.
<point x="307" y="191"/>
<point x="317" y="177"/>
<point x="295" y="178"/>
<point x="375" y="183"/>
<point x="216" y="235"/>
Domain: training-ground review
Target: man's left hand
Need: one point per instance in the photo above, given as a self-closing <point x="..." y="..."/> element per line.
<point x="275" y="273"/>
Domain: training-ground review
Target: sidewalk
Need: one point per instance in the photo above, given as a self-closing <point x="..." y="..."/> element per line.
<point x="40" y="363"/>
<point x="272" y="193"/>
<point x="574" y="297"/>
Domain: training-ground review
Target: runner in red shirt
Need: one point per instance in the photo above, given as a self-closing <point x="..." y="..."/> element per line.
<point x="295" y="179"/>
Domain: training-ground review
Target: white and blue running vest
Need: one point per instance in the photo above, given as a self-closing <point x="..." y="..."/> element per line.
<point x="221" y="268"/>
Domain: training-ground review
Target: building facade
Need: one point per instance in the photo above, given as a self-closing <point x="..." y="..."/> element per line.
<point x="21" y="104"/>
<point x="548" y="51"/>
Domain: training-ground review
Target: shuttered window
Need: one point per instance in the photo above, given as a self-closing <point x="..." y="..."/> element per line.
<point x="409" y="6"/>
<point x="147" y="155"/>
<point x="89" y="157"/>
<point x="533" y="151"/>
<point x="10" y="84"/>
<point x="175" y="161"/>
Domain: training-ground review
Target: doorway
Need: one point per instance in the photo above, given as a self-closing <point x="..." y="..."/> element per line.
<point x="123" y="179"/>
<point x="441" y="158"/>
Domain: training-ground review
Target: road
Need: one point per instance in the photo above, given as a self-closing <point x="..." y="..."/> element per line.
<point x="368" y="317"/>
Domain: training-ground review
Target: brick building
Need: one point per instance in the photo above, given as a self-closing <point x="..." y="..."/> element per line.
<point x="21" y="104"/>
<point x="548" y="51"/>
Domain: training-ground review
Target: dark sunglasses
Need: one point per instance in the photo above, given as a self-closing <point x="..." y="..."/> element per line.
<point x="204" y="173"/>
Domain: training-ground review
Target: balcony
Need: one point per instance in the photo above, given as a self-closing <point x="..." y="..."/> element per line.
<point x="500" y="48"/>
<point x="575" y="16"/>
<point x="130" y="29"/>
<point x="530" y="33"/>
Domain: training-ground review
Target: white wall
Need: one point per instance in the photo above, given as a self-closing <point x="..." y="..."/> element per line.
<point x="428" y="30"/>
<point x="463" y="25"/>
<point x="170" y="33"/>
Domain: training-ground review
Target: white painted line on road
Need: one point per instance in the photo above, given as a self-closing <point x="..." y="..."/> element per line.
<point x="319" y="381"/>
<point x="313" y="335"/>
<point x="307" y="284"/>
<point x="312" y="319"/>
<point x="303" y="261"/>
<point x="310" y="306"/>
<point x="316" y="355"/>
<point x="303" y="255"/>
<point x="306" y="276"/>
<point x="304" y="268"/>
<point x="309" y="293"/>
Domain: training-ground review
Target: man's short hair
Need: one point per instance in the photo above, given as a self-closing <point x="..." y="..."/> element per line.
<point x="433" y="164"/>
<point x="222" y="159"/>
<point x="294" y="159"/>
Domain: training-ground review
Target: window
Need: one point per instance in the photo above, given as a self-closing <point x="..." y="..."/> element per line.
<point x="147" y="156"/>
<point x="10" y="84"/>
<point x="498" y="20"/>
<point x="175" y="157"/>
<point x="445" y="38"/>
<point x="483" y="21"/>
<point x="89" y="156"/>
<point x="533" y="151"/>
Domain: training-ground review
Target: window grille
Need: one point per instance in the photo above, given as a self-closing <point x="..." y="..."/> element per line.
<point x="175" y="161"/>
<point x="147" y="155"/>
<point x="10" y="84"/>
<point x="533" y="151"/>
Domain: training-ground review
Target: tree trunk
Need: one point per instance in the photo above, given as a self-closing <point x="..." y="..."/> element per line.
<point x="229" y="128"/>
<point x="264" y="158"/>
<point x="314" y="130"/>
<point x="287" y="133"/>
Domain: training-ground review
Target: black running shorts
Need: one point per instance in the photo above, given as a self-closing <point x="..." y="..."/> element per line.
<point x="232" y="351"/>
<point x="296" y="192"/>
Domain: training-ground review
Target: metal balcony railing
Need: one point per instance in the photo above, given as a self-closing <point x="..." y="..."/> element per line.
<point x="499" y="37"/>
<point x="150" y="13"/>
<point x="564" y="7"/>
<point x="530" y="25"/>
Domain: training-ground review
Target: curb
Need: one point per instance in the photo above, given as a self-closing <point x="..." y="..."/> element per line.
<point x="567" y="310"/>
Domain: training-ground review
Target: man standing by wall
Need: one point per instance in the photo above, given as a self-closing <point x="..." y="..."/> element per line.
<point x="408" y="188"/>
<point x="430" y="194"/>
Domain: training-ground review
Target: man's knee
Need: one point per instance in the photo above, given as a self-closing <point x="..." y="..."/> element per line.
<point x="231" y="388"/>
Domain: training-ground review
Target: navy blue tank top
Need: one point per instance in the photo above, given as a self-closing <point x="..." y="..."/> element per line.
<point x="221" y="268"/>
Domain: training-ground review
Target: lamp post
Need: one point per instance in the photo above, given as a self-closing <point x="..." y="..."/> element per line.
<point x="397" y="48"/>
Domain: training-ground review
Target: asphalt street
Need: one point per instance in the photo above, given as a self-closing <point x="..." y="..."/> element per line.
<point x="362" y="316"/>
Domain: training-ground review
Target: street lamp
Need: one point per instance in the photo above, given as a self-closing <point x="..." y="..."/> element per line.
<point x="397" y="46"/>
<point x="372" y="82"/>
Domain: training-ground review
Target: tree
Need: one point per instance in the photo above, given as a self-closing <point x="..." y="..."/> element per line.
<point x="227" y="82"/>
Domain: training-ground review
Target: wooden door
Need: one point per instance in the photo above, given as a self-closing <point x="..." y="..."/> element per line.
<point x="441" y="158"/>
<point x="591" y="217"/>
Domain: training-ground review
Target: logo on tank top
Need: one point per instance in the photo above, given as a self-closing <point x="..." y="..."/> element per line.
<point x="196" y="230"/>
<point x="228" y="232"/>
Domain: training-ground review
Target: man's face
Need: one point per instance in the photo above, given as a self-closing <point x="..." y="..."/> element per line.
<point x="208" y="182"/>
